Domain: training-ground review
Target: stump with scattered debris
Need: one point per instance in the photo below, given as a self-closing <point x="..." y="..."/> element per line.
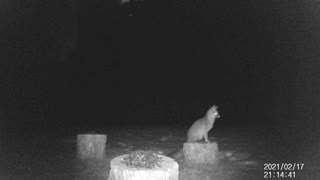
<point x="200" y="152"/>
<point x="91" y="146"/>
<point x="168" y="169"/>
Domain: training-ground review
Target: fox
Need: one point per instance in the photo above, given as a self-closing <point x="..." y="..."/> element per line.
<point x="200" y="128"/>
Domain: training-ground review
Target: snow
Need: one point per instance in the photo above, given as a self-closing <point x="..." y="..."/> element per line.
<point x="242" y="154"/>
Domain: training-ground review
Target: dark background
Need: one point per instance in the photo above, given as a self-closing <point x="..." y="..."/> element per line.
<point x="69" y="64"/>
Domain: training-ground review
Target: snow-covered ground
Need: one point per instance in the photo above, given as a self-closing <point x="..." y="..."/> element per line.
<point x="243" y="154"/>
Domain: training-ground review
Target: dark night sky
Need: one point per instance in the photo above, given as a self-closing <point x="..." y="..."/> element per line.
<point x="67" y="64"/>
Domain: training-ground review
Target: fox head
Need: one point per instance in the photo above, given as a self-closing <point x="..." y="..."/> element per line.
<point x="213" y="112"/>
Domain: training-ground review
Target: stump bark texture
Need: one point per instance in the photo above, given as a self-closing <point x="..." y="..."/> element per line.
<point x="201" y="152"/>
<point x="91" y="146"/>
<point x="169" y="170"/>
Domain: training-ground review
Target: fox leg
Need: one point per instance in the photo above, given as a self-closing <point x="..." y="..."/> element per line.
<point x="206" y="137"/>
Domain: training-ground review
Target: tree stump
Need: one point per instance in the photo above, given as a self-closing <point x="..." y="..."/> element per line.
<point x="200" y="152"/>
<point x="168" y="170"/>
<point x="91" y="146"/>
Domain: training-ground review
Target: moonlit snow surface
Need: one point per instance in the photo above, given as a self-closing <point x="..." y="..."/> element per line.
<point x="242" y="153"/>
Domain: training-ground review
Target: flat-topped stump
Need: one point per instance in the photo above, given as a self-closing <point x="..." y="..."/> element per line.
<point x="168" y="170"/>
<point x="91" y="146"/>
<point x="200" y="152"/>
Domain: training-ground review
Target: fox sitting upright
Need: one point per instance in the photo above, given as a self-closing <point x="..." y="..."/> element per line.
<point x="200" y="128"/>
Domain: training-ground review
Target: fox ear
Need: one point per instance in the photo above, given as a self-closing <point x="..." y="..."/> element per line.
<point x="214" y="107"/>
